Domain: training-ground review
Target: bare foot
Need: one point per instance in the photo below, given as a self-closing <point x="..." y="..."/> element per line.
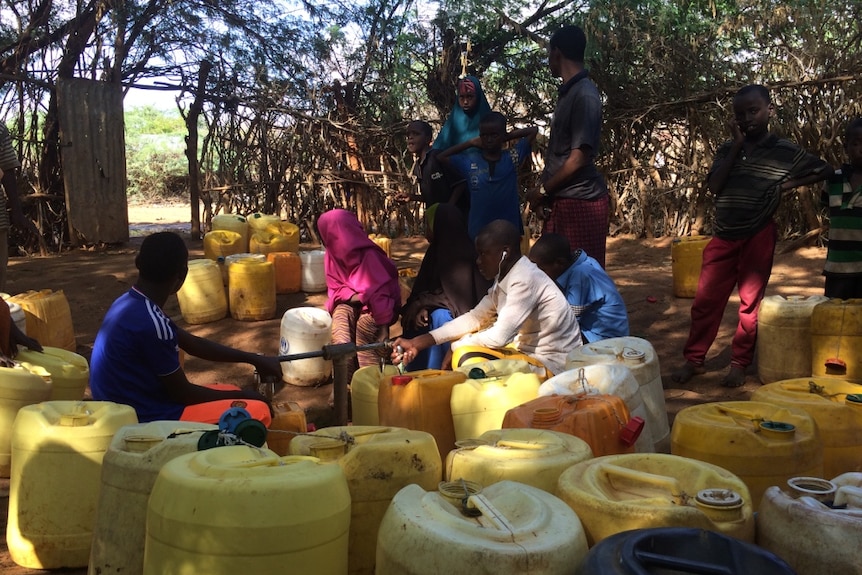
<point x="686" y="372"/>
<point x="735" y="377"/>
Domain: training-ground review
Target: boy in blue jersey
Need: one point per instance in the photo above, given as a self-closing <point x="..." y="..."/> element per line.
<point x="600" y="309"/>
<point x="135" y="358"/>
<point x="492" y="171"/>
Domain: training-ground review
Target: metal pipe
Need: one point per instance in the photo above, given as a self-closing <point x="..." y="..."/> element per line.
<point x="341" y="355"/>
<point x="335" y="350"/>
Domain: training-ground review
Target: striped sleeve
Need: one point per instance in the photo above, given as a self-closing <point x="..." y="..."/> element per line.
<point x="8" y="158"/>
<point x="161" y="324"/>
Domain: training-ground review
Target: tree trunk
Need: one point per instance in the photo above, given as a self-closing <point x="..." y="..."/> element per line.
<point x="192" y="147"/>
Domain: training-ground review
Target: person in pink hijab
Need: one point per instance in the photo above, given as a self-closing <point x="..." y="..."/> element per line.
<point x="362" y="284"/>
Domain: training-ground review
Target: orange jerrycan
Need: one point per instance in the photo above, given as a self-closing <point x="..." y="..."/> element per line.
<point x="600" y="420"/>
<point x="420" y="400"/>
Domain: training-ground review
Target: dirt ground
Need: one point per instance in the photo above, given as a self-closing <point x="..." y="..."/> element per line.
<point x="92" y="278"/>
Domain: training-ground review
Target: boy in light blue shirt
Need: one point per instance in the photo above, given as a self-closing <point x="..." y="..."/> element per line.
<point x="592" y="294"/>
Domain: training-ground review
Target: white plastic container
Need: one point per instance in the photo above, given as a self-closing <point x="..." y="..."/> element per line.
<point x="305" y="329"/>
<point x="313" y="274"/>
<point x="610" y="379"/>
<point x="640" y="357"/>
<point x="18" y="316"/>
<point x="811" y="536"/>
<point x="129" y="470"/>
<point x="516" y="529"/>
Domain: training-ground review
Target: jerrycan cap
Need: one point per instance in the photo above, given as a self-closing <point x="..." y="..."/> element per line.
<point x="401" y="379"/>
<point x="836" y="364"/>
<point x="458" y="491"/>
<point x="471" y="443"/>
<point x="232" y="417"/>
<point x="777" y="429"/>
<point x="328" y="448"/>
<point x="251" y="431"/>
<point x="633" y="355"/>
<point x="719" y="498"/>
<point x="854" y="399"/>
<point x="546" y="417"/>
<point x="816" y="487"/>
<point x="719" y="504"/>
<point x="632" y="430"/>
<point x="476" y="373"/>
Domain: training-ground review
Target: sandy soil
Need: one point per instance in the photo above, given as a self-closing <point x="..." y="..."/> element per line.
<point x="91" y="280"/>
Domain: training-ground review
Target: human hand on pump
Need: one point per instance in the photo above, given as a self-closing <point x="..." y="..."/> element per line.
<point x="267" y="366"/>
<point x="403" y="351"/>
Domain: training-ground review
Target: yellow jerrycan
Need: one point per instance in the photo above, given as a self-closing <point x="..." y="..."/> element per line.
<point x="618" y="493"/>
<point x="836" y="407"/>
<point x="534" y="457"/>
<point x="239" y="509"/>
<point x="761" y="443"/>
<point x="378" y="462"/>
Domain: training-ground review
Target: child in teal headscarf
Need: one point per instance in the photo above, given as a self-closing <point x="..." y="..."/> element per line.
<point x="463" y="123"/>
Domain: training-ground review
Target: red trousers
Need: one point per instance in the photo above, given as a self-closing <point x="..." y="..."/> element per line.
<point x="745" y="264"/>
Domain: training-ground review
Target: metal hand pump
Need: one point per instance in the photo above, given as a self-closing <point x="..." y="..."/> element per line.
<point x="340" y="354"/>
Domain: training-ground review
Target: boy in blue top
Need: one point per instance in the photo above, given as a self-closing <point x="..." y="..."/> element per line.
<point x="135" y="358"/>
<point x="843" y="195"/>
<point x="592" y="294"/>
<point x="492" y="171"/>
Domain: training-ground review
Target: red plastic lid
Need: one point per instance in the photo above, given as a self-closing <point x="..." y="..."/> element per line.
<point x="401" y="379"/>
<point x="632" y="430"/>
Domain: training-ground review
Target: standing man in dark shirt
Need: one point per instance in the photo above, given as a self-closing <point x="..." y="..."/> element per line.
<point x="437" y="182"/>
<point x="573" y="190"/>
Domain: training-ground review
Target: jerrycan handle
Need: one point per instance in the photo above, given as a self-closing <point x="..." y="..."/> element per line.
<point x="676" y="564"/>
<point x="640" y="478"/>
<point x="489" y="513"/>
<point x="374" y="431"/>
<point x="528" y="445"/>
<point x="810" y="387"/>
<point x="605" y="350"/>
<point x="738" y="412"/>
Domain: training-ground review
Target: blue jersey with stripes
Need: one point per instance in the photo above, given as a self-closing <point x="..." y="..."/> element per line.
<point x="135" y="346"/>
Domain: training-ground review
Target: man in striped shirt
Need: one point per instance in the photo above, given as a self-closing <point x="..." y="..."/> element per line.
<point x="749" y="175"/>
<point x="9" y="164"/>
<point x="843" y="195"/>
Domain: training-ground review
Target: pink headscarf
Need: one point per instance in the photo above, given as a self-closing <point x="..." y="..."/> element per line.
<point x="355" y="265"/>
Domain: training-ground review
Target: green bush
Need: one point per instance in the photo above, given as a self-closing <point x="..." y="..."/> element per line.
<point x="155" y="157"/>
